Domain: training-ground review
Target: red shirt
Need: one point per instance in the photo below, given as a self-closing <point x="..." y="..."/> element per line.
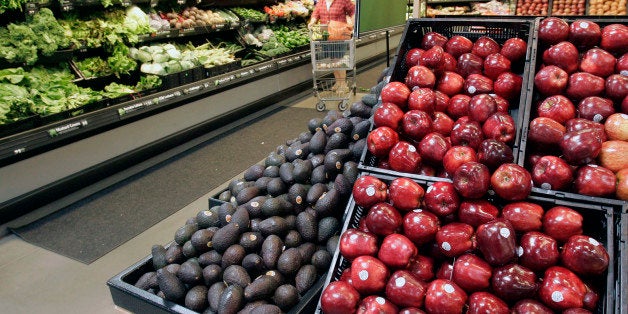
<point x="338" y="11"/>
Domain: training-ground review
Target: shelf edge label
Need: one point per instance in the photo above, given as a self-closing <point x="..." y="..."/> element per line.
<point x="67" y="128"/>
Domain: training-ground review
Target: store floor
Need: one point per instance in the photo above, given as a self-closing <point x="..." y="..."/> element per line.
<point x="35" y="280"/>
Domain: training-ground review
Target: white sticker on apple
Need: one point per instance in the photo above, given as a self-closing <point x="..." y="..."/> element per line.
<point x="446" y="246"/>
<point x="380" y="300"/>
<point x="370" y="191"/>
<point x="472" y="89"/>
<point x="353" y="237"/>
<point x="584" y="24"/>
<point x="624" y="72"/>
<point x="594" y="242"/>
<point x="418" y="210"/>
<point x="412" y="149"/>
<point x="448" y="288"/>
<point x="400" y="282"/>
<point x="557" y="296"/>
<point x="429" y="188"/>
<point x="416" y="219"/>
<point x="597" y="117"/>
<point x="546" y="185"/>
<point x="519" y="251"/>
<point x="504" y="232"/>
<point x="363" y="274"/>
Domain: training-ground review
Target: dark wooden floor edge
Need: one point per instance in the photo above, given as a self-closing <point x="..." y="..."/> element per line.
<point x="37" y="204"/>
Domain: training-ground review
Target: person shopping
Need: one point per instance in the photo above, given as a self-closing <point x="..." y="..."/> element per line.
<point x="341" y="11"/>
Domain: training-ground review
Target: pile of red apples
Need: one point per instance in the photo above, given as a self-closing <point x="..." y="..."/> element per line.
<point x="578" y="134"/>
<point x="433" y="251"/>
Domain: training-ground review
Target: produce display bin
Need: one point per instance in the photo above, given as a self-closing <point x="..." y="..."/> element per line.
<point x="603" y="222"/>
<point x="533" y="97"/>
<point x="623" y="267"/>
<point x="500" y="30"/>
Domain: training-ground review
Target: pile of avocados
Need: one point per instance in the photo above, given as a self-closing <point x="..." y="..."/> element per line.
<point x="275" y="233"/>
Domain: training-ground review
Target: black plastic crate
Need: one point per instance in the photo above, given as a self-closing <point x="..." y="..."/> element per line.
<point x="622" y="286"/>
<point x="500" y="30"/>
<point x="603" y="222"/>
<point x="20" y="125"/>
<point x="533" y="97"/>
<point x="222" y="69"/>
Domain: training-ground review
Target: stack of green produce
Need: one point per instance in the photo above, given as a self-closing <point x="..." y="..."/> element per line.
<point x="146" y="82"/>
<point x="250" y="14"/>
<point x="209" y="55"/>
<point x="39" y="35"/>
<point x="11" y="5"/>
<point x="163" y="59"/>
<point x="93" y="67"/>
<point x="292" y="37"/>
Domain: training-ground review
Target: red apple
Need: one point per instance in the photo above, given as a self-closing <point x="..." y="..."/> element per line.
<point x="411" y="310"/>
<point x="369" y="190"/>
<point x="426" y="170"/>
<point x="616" y="86"/>
<point x="383" y="219"/>
<point x="433" y="148"/>
<point x="404" y="157"/>
<point x="484" y="302"/>
<point x="432" y="39"/>
<point x="458" y="106"/>
<point x="339" y="297"/>
<point x="442" y="123"/>
<point x="416" y="124"/>
<point x="529" y="306"/>
<point x="594" y="180"/>
<point x="562" y="222"/>
<point x="624" y="105"/>
<point x="558" y="108"/>
<point x="354" y="243"/>
<point x="595" y="108"/>
<point x="346" y="275"/>
<point x="481" y="106"/>
<point x="613" y="155"/>
<point x="495" y="64"/>
<point x="538" y="251"/>
<point x="514" y="282"/>
<point x="466" y="133"/>
<point x="614" y="38"/>
<point x="396" y="93"/>
<point x="581" y="147"/>
<point x="405" y="194"/>
<point x="422" y="268"/>
<point x="578" y="124"/>
<point x="511" y="182"/>
<point x="376" y="305"/>
<point x="478" y="84"/>
<point x="553" y="30"/>
<point x="583" y="84"/>
<point x="471" y="273"/>
<point x="561" y="289"/>
<point x="552" y="173"/>
<point x="508" y="85"/>
<point x="494" y="153"/>
<point x="396" y="251"/>
<point x="433" y="58"/>
<point x="449" y="63"/>
<point x="551" y="80"/>
<point x="456" y="157"/>
<point x="477" y="212"/>
<point x="502" y="103"/>
<point x="381" y="140"/>
<point x="412" y="57"/>
<point x="450" y="83"/>
<point x="545" y="131"/>
<point x="445" y="271"/>
<point x="485" y="46"/>
<point x="388" y="114"/>
<point x="420" y="226"/>
<point x="472" y="179"/>
<point x="585" y="256"/>
<point x="405" y="290"/>
<point x="584" y="33"/>
<point x="444" y="296"/>
<point x="420" y="76"/>
<point x="442" y="101"/>
<point x="598" y="62"/>
<point x="514" y="49"/>
<point x="500" y="126"/>
<point x="422" y="99"/>
<point x="454" y="239"/>
<point x="441" y="199"/>
<point x="457" y="45"/>
<point x="524" y="216"/>
<point x="616" y="126"/>
<point x="496" y="240"/>
<point x="622" y="65"/>
<point x="369" y="275"/>
<point x="468" y="64"/>
<point x="563" y="55"/>
<point x="622" y="184"/>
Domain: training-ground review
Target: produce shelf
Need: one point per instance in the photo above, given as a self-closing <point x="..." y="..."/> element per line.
<point x="603" y="223"/>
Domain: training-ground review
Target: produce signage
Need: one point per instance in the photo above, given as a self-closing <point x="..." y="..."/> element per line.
<point x="193" y="89"/>
<point x="66" y="5"/>
<point x="224" y="80"/>
<point x="245" y="73"/>
<point x="67" y="128"/>
<point x="266" y="67"/>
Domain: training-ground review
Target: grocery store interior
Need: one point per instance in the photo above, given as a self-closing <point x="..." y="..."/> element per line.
<point x="170" y="156"/>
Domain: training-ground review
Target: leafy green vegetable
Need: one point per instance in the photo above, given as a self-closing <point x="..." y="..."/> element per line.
<point x="93" y="67"/>
<point x="11" y="5"/>
<point x="147" y="82"/>
<point x="120" y="62"/>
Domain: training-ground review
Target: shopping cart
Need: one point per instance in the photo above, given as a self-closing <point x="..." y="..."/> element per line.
<point x="329" y="56"/>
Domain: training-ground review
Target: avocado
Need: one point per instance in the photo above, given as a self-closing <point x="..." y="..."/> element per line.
<point x="305" y="137"/>
<point x="266" y="309"/>
<point x="355" y="120"/>
<point x="369" y="100"/>
<point x="337" y="141"/>
<point x="271" y="249"/>
<point x="330" y="118"/>
<point x="328" y="203"/>
<point x="231" y="300"/>
<point x="255" y="224"/>
<point x="274" y="225"/>
<point x="327" y="227"/>
<point x="209" y="258"/>
<point x="233" y="255"/>
<point x="224" y="213"/>
<point x="191" y="221"/>
<point x="306" y="225"/>
<point x="292" y="239"/>
<point x="253" y="263"/>
<point x="318" y="142"/>
<point x="261" y="184"/>
<point x="247" y="194"/>
<point x="285" y="173"/>
<point x="213" y="294"/>
<point x="276" y="186"/>
<point x="251" y="305"/>
<point x="335" y="159"/>
<point x="251" y="241"/>
<point x="211" y="274"/>
<point x="201" y="240"/>
<point x="350" y="171"/>
<point x="319" y="175"/>
<point x="147" y="281"/>
<point x="285" y="205"/>
<point x="359" y="109"/>
<point x="254" y="206"/>
<point x="272" y="206"/>
<point x="233" y="184"/>
<point x="343" y="185"/>
<point x="289" y="262"/>
<point x="174" y="254"/>
<point x="239" y="186"/>
<point x="286" y="297"/>
<point x="297" y="151"/>
<point x="225" y="237"/>
<point x="206" y="219"/>
<point x="315" y="192"/>
<point x="361" y="130"/>
<point x="281" y="149"/>
<point x="315" y="124"/>
<point x="190" y="272"/>
<point x="291" y="220"/>
<point x="332" y="244"/>
<point x="274" y="159"/>
<point x="184" y="233"/>
<point x="297" y="194"/>
<point x="321" y="260"/>
<point x="262" y="287"/>
<point x="241" y="218"/>
<point x="225" y="196"/>
<point x="271" y="171"/>
<point x="196" y="298"/>
<point x="172" y="268"/>
<point x="317" y="160"/>
<point x="342" y="125"/>
<point x="275" y="274"/>
<point x="188" y="250"/>
<point x="305" y="278"/>
<point x="254" y="172"/>
<point x="159" y="256"/>
<point x="358" y="148"/>
<point x="302" y="171"/>
<point x="236" y="275"/>
<point x="171" y="286"/>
